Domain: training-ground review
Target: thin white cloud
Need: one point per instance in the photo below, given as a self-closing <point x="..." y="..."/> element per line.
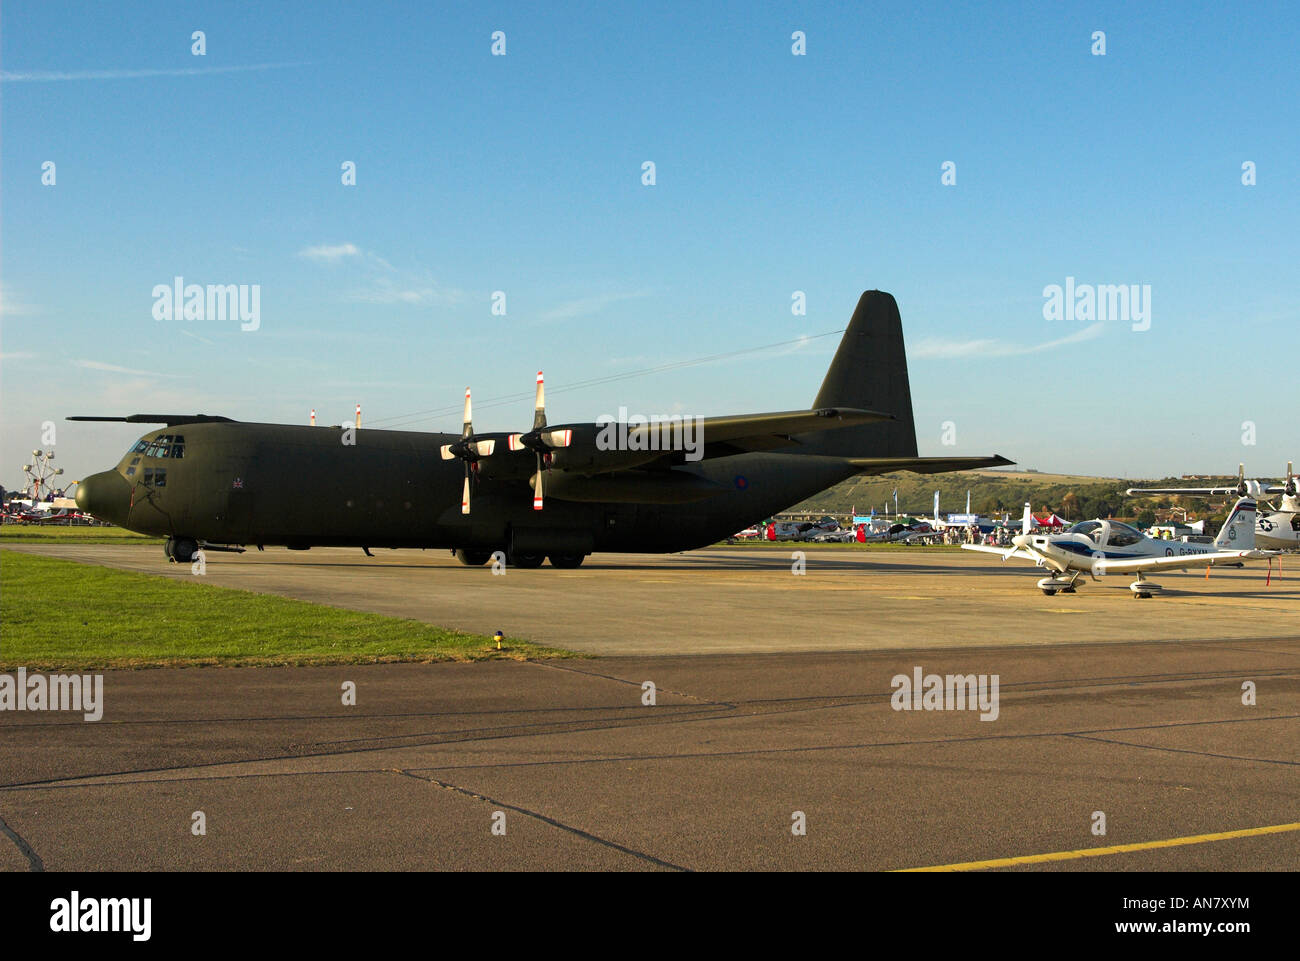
<point x="11" y="308"/>
<point x="189" y="333"/>
<point x="17" y="355"/>
<point x="55" y="76"/>
<point x="384" y="290"/>
<point x="938" y="348"/>
<point x="115" y="369"/>
<point x="387" y="284"/>
<point x="585" y="306"/>
<point x="330" y="253"/>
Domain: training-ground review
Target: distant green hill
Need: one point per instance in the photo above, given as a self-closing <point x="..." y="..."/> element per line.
<point x="994" y="493"/>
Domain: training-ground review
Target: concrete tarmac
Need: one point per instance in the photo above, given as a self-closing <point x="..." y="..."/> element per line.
<point x="747" y="600"/>
<point x="1149" y="730"/>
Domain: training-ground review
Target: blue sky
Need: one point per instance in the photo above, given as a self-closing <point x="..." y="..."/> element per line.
<point x="774" y="173"/>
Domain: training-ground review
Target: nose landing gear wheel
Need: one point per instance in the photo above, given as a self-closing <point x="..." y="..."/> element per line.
<point x="1050" y="585"/>
<point x="473" y="558"/>
<point x="181" y="549"/>
<point x="1141" y="588"/>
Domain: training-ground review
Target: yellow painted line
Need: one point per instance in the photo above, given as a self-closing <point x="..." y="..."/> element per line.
<point x="1113" y="849"/>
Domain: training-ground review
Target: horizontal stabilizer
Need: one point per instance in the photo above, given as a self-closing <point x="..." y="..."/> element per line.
<point x="924" y="465"/>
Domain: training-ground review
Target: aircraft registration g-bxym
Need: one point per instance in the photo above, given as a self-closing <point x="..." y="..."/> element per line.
<point x="205" y="481"/>
<point x="1100" y="547"/>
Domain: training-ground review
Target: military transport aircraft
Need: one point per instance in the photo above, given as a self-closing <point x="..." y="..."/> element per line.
<point x="208" y="482"/>
<point x="1099" y="547"/>
<point x="1276" y="529"/>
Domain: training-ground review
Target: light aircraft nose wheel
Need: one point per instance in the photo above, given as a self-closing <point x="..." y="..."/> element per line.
<point x="1141" y="588"/>
<point x="1050" y="585"/>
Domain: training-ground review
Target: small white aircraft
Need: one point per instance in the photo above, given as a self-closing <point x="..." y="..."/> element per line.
<point x="1100" y="547"/>
<point x="1274" y="529"/>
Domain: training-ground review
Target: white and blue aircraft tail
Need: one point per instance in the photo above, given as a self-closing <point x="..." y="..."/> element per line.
<point x="1099" y="547"/>
<point x="1276" y="528"/>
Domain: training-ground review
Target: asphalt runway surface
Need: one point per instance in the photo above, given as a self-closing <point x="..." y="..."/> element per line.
<point x="1132" y="708"/>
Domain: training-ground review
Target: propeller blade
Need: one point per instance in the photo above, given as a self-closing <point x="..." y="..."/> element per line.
<point x="539" y="408"/>
<point x="557" y="438"/>
<point x="464" y="496"/>
<point x="484" y="448"/>
<point x="515" y="442"/>
<point x="446" y="452"/>
<point x="468" y="427"/>
<point x="537" y="487"/>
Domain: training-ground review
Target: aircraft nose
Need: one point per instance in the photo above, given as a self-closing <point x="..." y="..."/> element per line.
<point x="105" y="495"/>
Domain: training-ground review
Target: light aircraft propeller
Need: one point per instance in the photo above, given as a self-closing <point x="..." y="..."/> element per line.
<point x="1016" y="542"/>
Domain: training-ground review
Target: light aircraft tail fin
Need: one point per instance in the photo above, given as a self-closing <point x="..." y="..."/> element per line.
<point x="1238" y="532"/>
<point x="869" y="372"/>
<point x="1027" y="522"/>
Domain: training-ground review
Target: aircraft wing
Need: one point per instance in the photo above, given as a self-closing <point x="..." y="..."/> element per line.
<point x="1136" y="564"/>
<point x="171" y="420"/>
<point x="1000" y="551"/>
<point x="925" y="465"/>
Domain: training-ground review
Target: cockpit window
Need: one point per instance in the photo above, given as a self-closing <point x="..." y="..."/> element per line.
<point x="1121" y="535"/>
<point x="1090" y="529"/>
<point x="165" y="445"/>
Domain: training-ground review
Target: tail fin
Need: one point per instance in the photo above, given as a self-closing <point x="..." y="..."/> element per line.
<point x="1238" y="532"/>
<point x="869" y="372"/>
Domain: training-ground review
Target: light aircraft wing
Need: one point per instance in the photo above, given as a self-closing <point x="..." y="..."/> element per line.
<point x="1002" y="552"/>
<point x="1102" y="566"/>
<point x="925" y="465"/>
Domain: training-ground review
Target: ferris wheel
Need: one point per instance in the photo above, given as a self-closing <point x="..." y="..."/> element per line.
<point x="40" y="473"/>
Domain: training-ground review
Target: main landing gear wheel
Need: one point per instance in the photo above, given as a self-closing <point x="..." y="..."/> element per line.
<point x="521" y="560"/>
<point x="473" y="558"/>
<point x="181" y="549"/>
<point x="567" y="560"/>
